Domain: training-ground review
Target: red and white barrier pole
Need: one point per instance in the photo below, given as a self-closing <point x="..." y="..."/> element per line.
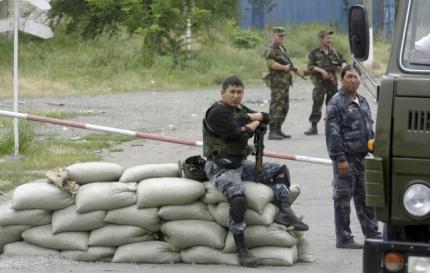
<point x="170" y="139"/>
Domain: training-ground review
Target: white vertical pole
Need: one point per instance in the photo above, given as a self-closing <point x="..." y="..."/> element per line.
<point x="15" y="76"/>
<point x="188" y="35"/>
<point x="369" y="7"/>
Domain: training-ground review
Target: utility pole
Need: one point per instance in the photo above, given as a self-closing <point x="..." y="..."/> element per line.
<point x="368" y="4"/>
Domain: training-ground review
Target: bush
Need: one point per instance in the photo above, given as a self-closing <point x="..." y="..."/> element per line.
<point x="26" y="135"/>
<point x="245" y="39"/>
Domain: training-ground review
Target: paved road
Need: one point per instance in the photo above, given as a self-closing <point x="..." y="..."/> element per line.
<point x="181" y="117"/>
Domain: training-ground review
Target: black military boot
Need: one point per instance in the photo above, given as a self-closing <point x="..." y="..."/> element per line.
<point x="245" y="257"/>
<point x="287" y="217"/>
<point x="313" y="130"/>
<point x="282" y="133"/>
<point x="274" y="132"/>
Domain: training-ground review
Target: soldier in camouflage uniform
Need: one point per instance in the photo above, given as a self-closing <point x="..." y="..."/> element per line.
<point x="348" y="130"/>
<point x="279" y="82"/>
<point x="322" y="64"/>
<point x="227" y="126"/>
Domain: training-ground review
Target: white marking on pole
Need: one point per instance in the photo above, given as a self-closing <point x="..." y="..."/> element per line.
<point x="15" y="77"/>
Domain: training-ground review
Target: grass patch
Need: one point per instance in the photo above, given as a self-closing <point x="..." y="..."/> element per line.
<point x="68" y="65"/>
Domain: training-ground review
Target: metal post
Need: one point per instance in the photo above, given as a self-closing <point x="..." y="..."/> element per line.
<point x="388" y="18"/>
<point x="369" y="6"/>
<point x="15" y="76"/>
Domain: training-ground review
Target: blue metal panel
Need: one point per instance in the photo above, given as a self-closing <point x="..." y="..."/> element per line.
<point x="333" y="12"/>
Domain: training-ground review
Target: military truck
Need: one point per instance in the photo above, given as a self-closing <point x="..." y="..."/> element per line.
<point x="398" y="172"/>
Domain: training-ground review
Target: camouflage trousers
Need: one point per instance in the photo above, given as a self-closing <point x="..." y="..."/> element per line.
<point x="321" y="89"/>
<point x="229" y="182"/>
<point x="350" y="187"/>
<point x="279" y="103"/>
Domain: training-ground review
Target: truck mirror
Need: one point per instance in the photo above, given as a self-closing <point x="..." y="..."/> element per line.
<point x="358" y="33"/>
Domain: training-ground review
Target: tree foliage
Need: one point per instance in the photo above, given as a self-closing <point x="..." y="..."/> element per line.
<point x="162" y="23"/>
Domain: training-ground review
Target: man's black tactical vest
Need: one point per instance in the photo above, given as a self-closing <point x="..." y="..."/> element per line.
<point x="214" y="146"/>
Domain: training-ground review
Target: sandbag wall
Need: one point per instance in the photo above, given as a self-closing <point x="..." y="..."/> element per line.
<point x="144" y="214"/>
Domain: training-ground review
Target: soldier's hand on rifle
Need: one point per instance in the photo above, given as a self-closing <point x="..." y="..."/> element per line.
<point x="287" y="67"/>
<point x="325" y="75"/>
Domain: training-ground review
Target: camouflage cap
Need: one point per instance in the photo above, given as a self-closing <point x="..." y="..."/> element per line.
<point x="324" y="33"/>
<point x="278" y="30"/>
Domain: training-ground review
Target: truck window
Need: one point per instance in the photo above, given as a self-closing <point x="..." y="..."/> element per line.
<point x="416" y="42"/>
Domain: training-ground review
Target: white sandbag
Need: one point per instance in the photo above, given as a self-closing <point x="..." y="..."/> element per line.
<point x="155" y="192"/>
<point x="157" y="252"/>
<point x="26" y="249"/>
<point x="275" y="255"/>
<point x="220" y="213"/>
<point x="43" y="236"/>
<point x="147" y="219"/>
<point x="33" y="217"/>
<point x="258" y="195"/>
<point x="139" y="173"/>
<point x="42" y="195"/>
<point x="188" y="233"/>
<point x="117" y="235"/>
<point x="105" y="196"/>
<point x="69" y="219"/>
<point x="89" y="172"/>
<point x="257" y="236"/>
<point x="207" y="255"/>
<point x="9" y="234"/>
<point x="195" y="211"/>
<point x="93" y="254"/>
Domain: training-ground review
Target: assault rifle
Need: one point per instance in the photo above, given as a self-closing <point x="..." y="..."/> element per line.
<point x="259" y="148"/>
<point x="292" y="67"/>
<point x="330" y="69"/>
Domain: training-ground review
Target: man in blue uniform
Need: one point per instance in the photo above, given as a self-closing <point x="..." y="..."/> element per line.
<point x="348" y="130"/>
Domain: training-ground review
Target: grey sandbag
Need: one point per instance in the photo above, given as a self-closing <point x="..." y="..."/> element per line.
<point x="33" y="217"/>
<point x="195" y="211"/>
<point x="105" y="196"/>
<point x="117" y="235"/>
<point x="41" y="195"/>
<point x="69" y="219"/>
<point x="275" y="255"/>
<point x="26" y="249"/>
<point x="257" y="236"/>
<point x="207" y="255"/>
<point x="9" y="234"/>
<point x="43" y="236"/>
<point x="89" y="172"/>
<point x="147" y="219"/>
<point x="220" y="213"/>
<point x="157" y="252"/>
<point x="258" y="195"/>
<point x="156" y="192"/>
<point x="93" y="254"/>
<point x="188" y="233"/>
<point x="139" y="173"/>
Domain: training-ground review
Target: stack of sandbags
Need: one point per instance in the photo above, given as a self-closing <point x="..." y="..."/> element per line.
<point x="144" y="214"/>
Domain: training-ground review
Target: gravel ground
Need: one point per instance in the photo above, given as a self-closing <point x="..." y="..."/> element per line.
<point x="179" y="114"/>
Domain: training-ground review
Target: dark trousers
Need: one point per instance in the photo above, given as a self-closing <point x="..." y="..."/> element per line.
<point x="322" y="89"/>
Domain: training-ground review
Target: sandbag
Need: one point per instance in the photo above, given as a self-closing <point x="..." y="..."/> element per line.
<point x="194" y="211"/>
<point x="220" y="213"/>
<point x="139" y="173"/>
<point x="26" y="249"/>
<point x="93" y="254"/>
<point x="40" y="196"/>
<point x="33" y="217"/>
<point x="258" y="195"/>
<point x="9" y="234"/>
<point x="42" y="236"/>
<point x="147" y="219"/>
<point x="157" y="252"/>
<point x="207" y="255"/>
<point x="188" y="233"/>
<point x="117" y="235"/>
<point x="275" y="255"/>
<point x="105" y="196"/>
<point x="89" y="172"/>
<point x="155" y="192"/>
<point x="257" y="236"/>
<point x="69" y="219"/>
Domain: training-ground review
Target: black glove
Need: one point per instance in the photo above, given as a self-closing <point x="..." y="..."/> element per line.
<point x="266" y="118"/>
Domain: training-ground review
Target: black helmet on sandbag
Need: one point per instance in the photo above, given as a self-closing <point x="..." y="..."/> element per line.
<point x="194" y="168"/>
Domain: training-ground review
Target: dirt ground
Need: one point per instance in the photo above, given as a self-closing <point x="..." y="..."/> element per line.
<point x="179" y="114"/>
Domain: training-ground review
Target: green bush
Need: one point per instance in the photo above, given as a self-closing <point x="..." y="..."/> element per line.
<point x="245" y="39"/>
<point x="26" y="135"/>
